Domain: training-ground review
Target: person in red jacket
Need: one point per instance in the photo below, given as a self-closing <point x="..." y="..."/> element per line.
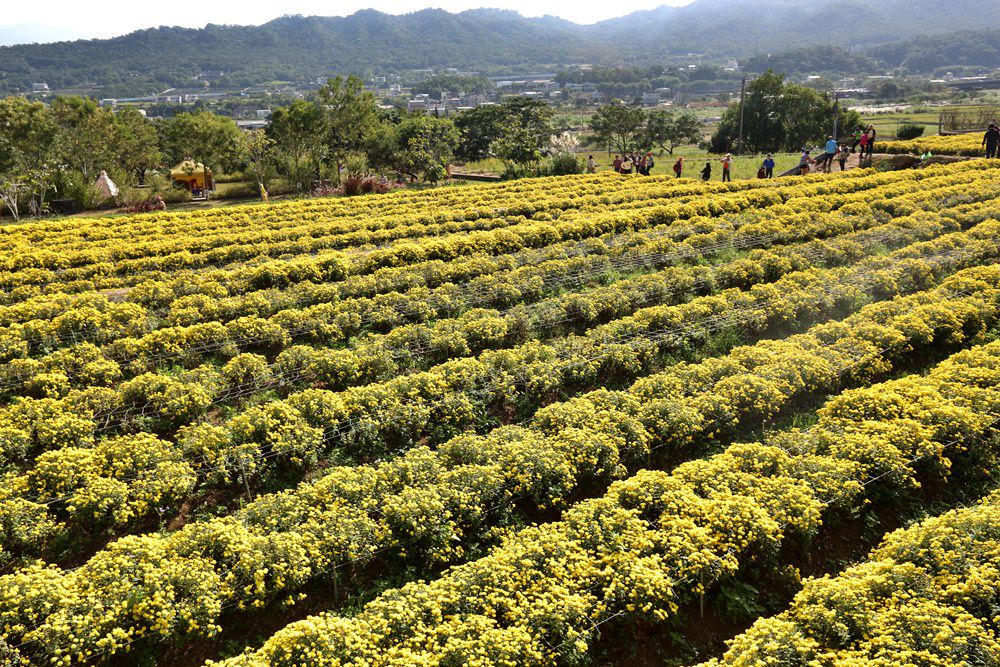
<point x="727" y="165"/>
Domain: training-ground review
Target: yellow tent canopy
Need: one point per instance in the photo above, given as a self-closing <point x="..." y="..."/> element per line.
<point x="194" y="175"/>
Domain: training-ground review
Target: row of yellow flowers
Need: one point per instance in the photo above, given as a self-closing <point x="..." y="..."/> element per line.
<point x="391" y="416"/>
<point x="926" y="596"/>
<point x="427" y="506"/>
<point x="97" y="320"/>
<point x="56" y="479"/>
<point x="969" y="145"/>
<point x="343" y="215"/>
<point x="654" y="541"/>
<point x="235" y="240"/>
<point x="129" y="349"/>
<point x="656" y="203"/>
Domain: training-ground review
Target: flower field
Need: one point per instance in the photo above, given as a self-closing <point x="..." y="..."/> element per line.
<point x="969" y="145"/>
<point x="560" y="421"/>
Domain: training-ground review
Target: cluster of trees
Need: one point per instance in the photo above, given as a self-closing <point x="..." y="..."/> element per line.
<point x="343" y="130"/>
<point x="936" y="54"/>
<point x="970" y="51"/>
<point x="780" y="116"/>
<point x="58" y="150"/>
<point x="815" y="59"/>
<point x="625" y="127"/>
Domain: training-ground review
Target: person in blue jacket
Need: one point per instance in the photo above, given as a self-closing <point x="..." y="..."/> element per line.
<point x="768" y="166"/>
<point x="828" y="155"/>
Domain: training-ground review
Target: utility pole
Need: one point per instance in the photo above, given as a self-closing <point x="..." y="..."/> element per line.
<point x="836" y="114"/>
<point x="743" y="90"/>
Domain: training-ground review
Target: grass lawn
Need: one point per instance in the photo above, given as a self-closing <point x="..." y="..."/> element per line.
<point x="886" y="124"/>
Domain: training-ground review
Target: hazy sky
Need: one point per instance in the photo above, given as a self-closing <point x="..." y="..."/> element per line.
<point x="115" y="17"/>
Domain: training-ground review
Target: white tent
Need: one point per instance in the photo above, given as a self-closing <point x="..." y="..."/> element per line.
<point x="106" y="186"/>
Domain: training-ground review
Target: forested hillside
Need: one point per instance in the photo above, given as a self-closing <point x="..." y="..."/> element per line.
<point x="297" y="48"/>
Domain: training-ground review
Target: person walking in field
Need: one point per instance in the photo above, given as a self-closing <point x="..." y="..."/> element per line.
<point x="640" y="165"/>
<point x="870" y="141"/>
<point x="842" y="156"/>
<point x="727" y="166"/>
<point x="768" y="166"/>
<point x="862" y="146"/>
<point x="616" y="164"/>
<point x="706" y="173"/>
<point x="678" y="167"/>
<point x="804" y="161"/>
<point x="855" y="139"/>
<point x="650" y="163"/>
<point x="591" y="165"/>
<point x="829" y="154"/>
<point x="991" y="141"/>
<point x="627" y="165"/>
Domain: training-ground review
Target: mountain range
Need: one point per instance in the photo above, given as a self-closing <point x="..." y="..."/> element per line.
<point x="299" y="48"/>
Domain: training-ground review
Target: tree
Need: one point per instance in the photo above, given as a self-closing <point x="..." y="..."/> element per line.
<point x="299" y="135"/>
<point x="87" y="136"/>
<point x="351" y="115"/>
<point x="202" y="136"/>
<point x="478" y="129"/>
<point x="419" y="146"/>
<point x="11" y="189"/>
<point x="619" y="125"/>
<point x="381" y="147"/>
<point x="668" y="130"/>
<point x="533" y="117"/>
<point x="27" y="152"/>
<point x="137" y="148"/>
<point x="486" y="127"/>
<point x="780" y="116"/>
<point x="517" y="145"/>
<point x="255" y="149"/>
<point x="426" y="145"/>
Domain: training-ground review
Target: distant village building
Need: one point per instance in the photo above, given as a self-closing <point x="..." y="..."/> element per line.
<point x="40" y="87"/>
<point x="650" y="99"/>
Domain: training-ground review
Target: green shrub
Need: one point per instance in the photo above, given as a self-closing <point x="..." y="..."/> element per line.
<point x="908" y="131"/>
<point x="563" y="164"/>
